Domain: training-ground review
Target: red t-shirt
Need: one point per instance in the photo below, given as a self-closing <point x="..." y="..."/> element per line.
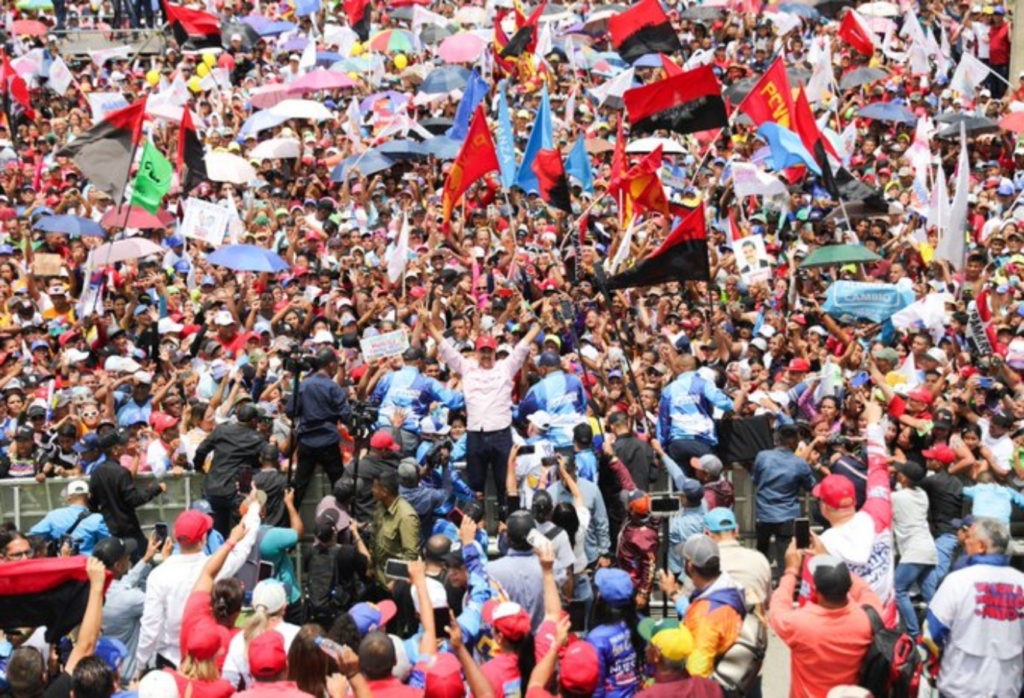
<point x="503" y="674"/>
<point x="999" y="44"/>
<point x="233" y="346"/>
<point x="202" y="689"/>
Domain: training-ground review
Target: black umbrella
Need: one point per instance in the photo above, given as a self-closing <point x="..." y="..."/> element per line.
<point x="403" y="14"/>
<point x="249" y="35"/>
<point x="739" y="89"/>
<point x="828" y="8"/>
<point x="438" y="126"/>
<point x="973" y="125"/>
<point x="862" y="76"/>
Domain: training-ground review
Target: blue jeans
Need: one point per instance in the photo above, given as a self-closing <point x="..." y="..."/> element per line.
<point x="946" y="544"/>
<point x="907" y="574"/>
<point x="583" y="592"/>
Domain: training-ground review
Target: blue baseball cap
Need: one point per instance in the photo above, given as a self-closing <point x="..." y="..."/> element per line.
<point x="112" y="651"/>
<point x="372" y="616"/>
<point x="89" y="442"/>
<point x="40" y="344"/>
<point x="182" y="266"/>
<point x="6" y="249"/>
<point x="691" y="489"/>
<point x="615" y="586"/>
<point x="720" y="519"/>
<point x="176" y="241"/>
<point x="208" y="281"/>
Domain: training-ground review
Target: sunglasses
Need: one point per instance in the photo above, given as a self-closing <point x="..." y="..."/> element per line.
<point x="90" y="415"/>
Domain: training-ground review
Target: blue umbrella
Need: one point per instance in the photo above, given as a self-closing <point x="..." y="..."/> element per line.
<point x="327" y="58"/>
<point x="444" y="80"/>
<point x="247" y="258"/>
<point x="396" y="99"/>
<point x="297" y="43"/>
<point x="886" y="111"/>
<point x="442" y="147"/>
<point x="275" y="28"/>
<point x="648" y="60"/>
<point x="799" y="10"/>
<point x="403" y="149"/>
<point x="369" y="163"/>
<point x="69" y="225"/>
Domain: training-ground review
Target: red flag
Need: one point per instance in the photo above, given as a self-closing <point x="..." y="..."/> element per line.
<point x="190" y="153"/>
<point x="500" y="42"/>
<point x="358" y="13"/>
<point x="735" y="231"/>
<point x="104" y="152"/>
<point x="682" y="256"/>
<point x="685" y="103"/>
<point x="643" y="28"/>
<point x="525" y="38"/>
<point x="670" y="66"/>
<point x="618" y="155"/>
<point x="200" y="29"/>
<point x="642" y="186"/>
<point x="14" y="85"/>
<point x="853" y="31"/>
<point x="551" y="179"/>
<point x="771" y="99"/>
<point x="806" y="127"/>
<point x="476" y="158"/>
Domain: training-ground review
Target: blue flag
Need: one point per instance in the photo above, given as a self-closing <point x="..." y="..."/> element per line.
<point x="540" y="139"/>
<point x="504" y="144"/>
<point x="577" y="165"/>
<point x="306" y="7"/>
<point x="476" y="90"/>
<point x="787" y="150"/>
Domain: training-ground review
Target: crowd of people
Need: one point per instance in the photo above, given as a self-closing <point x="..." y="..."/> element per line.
<point x="531" y="436"/>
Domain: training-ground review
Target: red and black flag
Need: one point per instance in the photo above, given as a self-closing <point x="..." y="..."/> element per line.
<point x="551" y="180"/>
<point x="683" y="256"/>
<point x="358" y="13"/>
<point x="525" y="38"/>
<point x="51" y="592"/>
<point x="643" y="28"/>
<point x="104" y="152"/>
<point x="196" y="28"/>
<point x="684" y="103"/>
<point x="190" y="154"/>
<point x="13" y="87"/>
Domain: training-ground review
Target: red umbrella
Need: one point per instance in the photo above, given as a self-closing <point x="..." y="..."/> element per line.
<point x="29" y="27"/>
<point x="1013" y="122"/>
<point x="137" y="217"/>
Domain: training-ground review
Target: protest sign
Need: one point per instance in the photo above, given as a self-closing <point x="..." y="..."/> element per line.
<point x="205" y="221"/>
<point x="752" y="259"/>
<point x="102" y="103"/>
<point x="852" y="300"/>
<point x="976" y="330"/>
<point x="383" y="346"/>
<point x="46" y="264"/>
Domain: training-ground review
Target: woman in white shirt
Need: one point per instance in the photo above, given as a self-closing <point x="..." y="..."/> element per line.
<point x="268" y="602"/>
<point x="574" y="519"/>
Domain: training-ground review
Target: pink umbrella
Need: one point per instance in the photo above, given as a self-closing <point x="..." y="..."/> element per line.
<point x="321" y="79"/>
<point x="268" y="96"/>
<point x="29" y="27"/>
<point x="464" y="47"/>
<point x="131" y="217"/>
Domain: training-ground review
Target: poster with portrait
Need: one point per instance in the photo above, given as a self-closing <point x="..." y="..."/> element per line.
<point x="205" y="221"/>
<point x="752" y="260"/>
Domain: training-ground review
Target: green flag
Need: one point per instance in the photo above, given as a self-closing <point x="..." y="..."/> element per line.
<point x="153" y="180"/>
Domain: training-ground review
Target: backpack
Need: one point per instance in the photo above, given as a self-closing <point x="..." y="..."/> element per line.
<point x="320" y="585"/>
<point x="737" y="670"/>
<point x="249" y="573"/>
<point x="892" y="666"/>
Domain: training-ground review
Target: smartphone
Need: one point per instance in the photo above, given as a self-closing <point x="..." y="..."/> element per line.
<point x="802" y="532"/>
<point x="577" y="616"/>
<point x="456" y="516"/>
<point x="442" y="620"/>
<point x="513" y="503"/>
<point x="664" y="505"/>
<point x="266" y="571"/>
<point x="73" y="545"/>
<point x="396" y="569"/>
<point x="860" y="379"/>
<point x="986" y="383"/>
<point x="160" y="528"/>
<point x="245" y="481"/>
<point x="527" y="450"/>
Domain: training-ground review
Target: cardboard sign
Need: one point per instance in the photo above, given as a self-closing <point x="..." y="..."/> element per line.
<point x="752" y="260"/>
<point x="384" y="346"/>
<point x="46" y="264"/>
<point x="205" y="221"/>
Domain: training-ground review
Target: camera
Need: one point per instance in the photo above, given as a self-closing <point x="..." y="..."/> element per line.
<point x="364" y="417"/>
<point x="440" y="453"/>
<point x="298" y="361"/>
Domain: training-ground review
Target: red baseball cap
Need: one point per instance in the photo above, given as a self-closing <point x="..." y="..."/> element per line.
<point x="836" y="492"/>
<point x="920" y="395"/>
<point x="940" y="452"/>
<point x="162" y="422"/>
<point x="580" y="669"/>
<point x="443" y="677"/>
<point x="203" y="641"/>
<point x="267" y="657"/>
<point x="486" y="341"/>
<point x="798" y="366"/>
<point x="191" y="526"/>
<point x="383" y="441"/>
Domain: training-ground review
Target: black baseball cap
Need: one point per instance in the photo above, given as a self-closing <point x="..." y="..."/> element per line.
<point x="112" y="549"/>
<point x="518" y="527"/>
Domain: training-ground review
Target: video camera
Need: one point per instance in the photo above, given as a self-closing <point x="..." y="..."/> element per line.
<point x="364" y="418"/>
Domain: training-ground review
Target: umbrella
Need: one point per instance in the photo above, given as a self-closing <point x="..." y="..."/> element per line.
<point x="273" y="28"/>
<point x="393" y="41"/>
<point x="247" y="258"/>
<point x="401" y="149"/>
<point x="277" y="149"/>
<point x="301" y="109"/>
<point x="885" y="111"/>
<point x="435" y="33"/>
<point x="359" y="64"/>
<point x="649" y="145"/>
<point x="69" y="225"/>
<point x="703" y="13"/>
<point x="296" y="43"/>
<point x="442" y="147"/>
<point x="597" y="146"/>
<point x="34" y="5"/>
<point x="249" y="35"/>
<point x="862" y="76"/>
<point x="839" y="254"/>
<point x="327" y="58"/>
<point x="464" y="47"/>
<point x="28" y="27"/>
<point x="974" y="126"/>
<point x="440" y="125"/>
<point x="123" y="250"/>
<point x="648" y="60"/>
<point x="226" y="167"/>
<point x="597" y="22"/>
<point x="367" y="164"/>
<point x="1013" y="122"/>
<point x="444" y="80"/>
<point x="130" y="217"/>
<point x="396" y="100"/>
<point x="879" y="9"/>
<point x="269" y="95"/>
<point x="796" y="75"/>
<point x="402" y="14"/>
<point x="321" y="79"/>
<point x="470" y="15"/>
<point x="556" y="13"/>
<point x="794" y="8"/>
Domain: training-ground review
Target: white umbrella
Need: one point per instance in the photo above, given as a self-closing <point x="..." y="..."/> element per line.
<point x="648" y="145"/>
<point x="277" y="149"/>
<point x="879" y="9"/>
<point x="471" y="15"/>
<point x="225" y="167"/>
<point x="301" y="109"/>
<point x="123" y="250"/>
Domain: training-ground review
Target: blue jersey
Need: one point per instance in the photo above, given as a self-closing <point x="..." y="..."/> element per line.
<point x="586" y="465"/>
<point x="409" y="390"/>
<point x="686" y="409"/>
<point x="617" y="661"/>
<point x="562" y="396"/>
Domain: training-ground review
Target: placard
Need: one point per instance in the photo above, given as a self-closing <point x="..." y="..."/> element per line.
<point x="383" y="346"/>
<point x="205" y="221"/>
<point x="752" y="260"/>
<point x="46" y="264"/>
<point x="102" y="103"/>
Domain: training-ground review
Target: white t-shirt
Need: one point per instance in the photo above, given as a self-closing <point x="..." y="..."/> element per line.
<point x="910" y="527"/>
<point x="1002" y="448"/>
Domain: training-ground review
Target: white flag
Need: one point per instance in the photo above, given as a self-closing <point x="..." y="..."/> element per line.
<point x="615" y="87"/>
<point x="422" y="17"/>
<point x="952" y="244"/>
<point x="938" y="202"/>
<point x="969" y="75"/>
<point x="748" y="180"/>
<point x="570" y="107"/>
<point x="400" y="255"/>
<point x="105" y="54"/>
<point x="623" y="252"/>
<point x="307" y="61"/>
<point x="60" y="76"/>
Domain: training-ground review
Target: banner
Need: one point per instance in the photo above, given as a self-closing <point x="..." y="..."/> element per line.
<point x="102" y="103"/>
<point x="976" y="331"/>
<point x="383" y="346"/>
<point x="851" y="300"/>
<point x="205" y="221"/>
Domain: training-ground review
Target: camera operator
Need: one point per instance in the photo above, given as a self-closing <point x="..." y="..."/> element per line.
<point x="318" y="406"/>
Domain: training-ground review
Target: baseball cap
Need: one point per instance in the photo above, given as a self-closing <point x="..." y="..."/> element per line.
<point x="89" y="442"/>
<point x="112" y="549"/>
<point x="710" y="464"/>
<point x="162" y="422"/>
<point x="692" y="490"/>
<point x="508" y="618"/>
<point x="942" y="419"/>
<point x="486" y="341"/>
<point x="372" y="616"/>
<point x="701" y="550"/>
<point x="549" y="359"/>
<point x="649" y="627"/>
<point x="911" y="470"/>
<point x="1003" y="420"/>
<point x="836" y="492"/>
<point x="442" y="676"/>
<point x="168" y="326"/>
<point x="270" y="595"/>
<point x="77" y="487"/>
<point x="675" y="644"/>
<point x="383" y="441"/>
<point x="112" y="651"/>
<point x="831" y="575"/>
<point x="158" y="684"/>
<point x="540" y="419"/>
<point x="580" y="668"/>
<point x="223" y="318"/>
<point x="191" y="526"/>
<point x="940" y="452"/>
<point x="615" y="586"/>
<point x="920" y="395"/>
<point x="267" y="657"/>
<point x="720" y="519"/>
<point x="435" y="591"/>
<point x="798" y="366"/>
<point x="203" y="641"/>
<point x="965" y="522"/>
<point x="887" y="354"/>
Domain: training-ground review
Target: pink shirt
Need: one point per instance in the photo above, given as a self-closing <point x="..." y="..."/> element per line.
<point x="488" y="391"/>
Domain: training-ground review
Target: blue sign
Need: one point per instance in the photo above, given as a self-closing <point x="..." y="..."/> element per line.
<point x="856" y="300"/>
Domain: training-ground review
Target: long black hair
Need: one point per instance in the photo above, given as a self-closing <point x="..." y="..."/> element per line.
<point x="566" y="518"/>
<point x="606" y="614"/>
